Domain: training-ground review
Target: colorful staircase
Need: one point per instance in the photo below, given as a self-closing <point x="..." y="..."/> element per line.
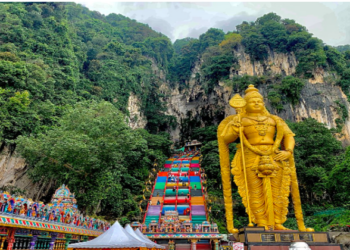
<point x="178" y="188"/>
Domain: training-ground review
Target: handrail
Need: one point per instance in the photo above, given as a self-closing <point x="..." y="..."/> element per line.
<point x="161" y="207"/>
<point x="177" y="185"/>
<point x="150" y="198"/>
<point x="189" y="190"/>
<point x="204" y="200"/>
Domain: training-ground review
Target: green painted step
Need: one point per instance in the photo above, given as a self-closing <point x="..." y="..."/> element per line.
<point x="168" y="162"/>
<point x="174" y="169"/>
<point x="170" y="192"/>
<point x="149" y="218"/>
<point x="152" y="217"/>
<point x="182" y="192"/>
<point x="195" y="161"/>
<point x="198" y="217"/>
<point x="198" y="185"/>
<point x="159" y="185"/>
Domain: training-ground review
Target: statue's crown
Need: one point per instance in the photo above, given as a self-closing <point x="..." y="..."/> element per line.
<point x="252" y="92"/>
<point x="251" y="88"/>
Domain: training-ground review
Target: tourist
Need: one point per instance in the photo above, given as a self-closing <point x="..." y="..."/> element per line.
<point x="158" y="202"/>
<point x="195" y="187"/>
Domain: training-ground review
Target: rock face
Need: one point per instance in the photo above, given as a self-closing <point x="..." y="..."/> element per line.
<point x="318" y="99"/>
<point x="276" y="63"/>
<point x="136" y="117"/>
<point x="343" y="239"/>
<point x="13" y="171"/>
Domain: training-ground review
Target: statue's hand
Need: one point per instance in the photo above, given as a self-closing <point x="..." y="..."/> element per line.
<point x="282" y="155"/>
<point x="235" y="122"/>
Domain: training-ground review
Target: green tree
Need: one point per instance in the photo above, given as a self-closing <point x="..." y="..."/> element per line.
<point x="317" y="151"/>
<point x="339" y="183"/>
<point x="94" y="152"/>
<point x="216" y="65"/>
<point x="180" y="43"/>
<point x="210" y="38"/>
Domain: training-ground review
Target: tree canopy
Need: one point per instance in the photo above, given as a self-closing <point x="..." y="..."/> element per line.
<point x="94" y="152"/>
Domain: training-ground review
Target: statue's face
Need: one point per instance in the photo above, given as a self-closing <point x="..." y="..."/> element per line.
<point x="255" y="105"/>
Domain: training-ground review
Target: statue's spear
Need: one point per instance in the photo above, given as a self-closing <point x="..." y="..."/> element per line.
<point x="238" y="103"/>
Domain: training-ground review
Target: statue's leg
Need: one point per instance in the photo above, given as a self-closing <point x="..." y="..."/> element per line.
<point x="296" y="199"/>
<point x="281" y="191"/>
<point x="256" y="192"/>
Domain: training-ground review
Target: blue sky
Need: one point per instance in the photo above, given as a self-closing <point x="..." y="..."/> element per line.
<point x="327" y="21"/>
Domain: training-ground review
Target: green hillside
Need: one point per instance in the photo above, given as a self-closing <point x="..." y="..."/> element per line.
<point x="66" y="75"/>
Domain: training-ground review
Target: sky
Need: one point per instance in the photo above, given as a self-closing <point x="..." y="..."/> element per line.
<point x="329" y="21"/>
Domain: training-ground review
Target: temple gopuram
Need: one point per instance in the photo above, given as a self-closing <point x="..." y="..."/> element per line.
<point x="26" y="224"/>
<point x="177" y="214"/>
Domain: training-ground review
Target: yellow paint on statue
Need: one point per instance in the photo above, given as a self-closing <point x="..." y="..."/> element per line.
<point x="263" y="167"/>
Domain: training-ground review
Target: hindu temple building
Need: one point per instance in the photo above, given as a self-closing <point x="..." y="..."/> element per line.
<point x="177" y="214"/>
<point x="26" y="224"/>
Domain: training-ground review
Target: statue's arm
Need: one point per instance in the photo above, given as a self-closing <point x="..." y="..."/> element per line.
<point x="289" y="142"/>
<point x="227" y="133"/>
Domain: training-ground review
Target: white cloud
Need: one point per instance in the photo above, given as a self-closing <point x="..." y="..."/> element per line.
<point x="327" y="21"/>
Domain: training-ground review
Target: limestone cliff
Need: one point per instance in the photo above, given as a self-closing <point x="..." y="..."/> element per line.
<point x="13" y="173"/>
<point x="318" y="100"/>
<point x="136" y="119"/>
<point x="318" y="97"/>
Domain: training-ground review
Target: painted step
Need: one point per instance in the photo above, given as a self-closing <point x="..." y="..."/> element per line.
<point x="195" y="185"/>
<point x="159" y="185"/>
<point x="198" y="210"/>
<point x="154" y="210"/>
<point x="158" y="192"/>
<point x="161" y="179"/>
<point x="154" y="200"/>
<point x="194" y="179"/>
<point x="168" y="208"/>
<point x="197" y="193"/>
<point x="197" y="200"/>
<point x="183" y="192"/>
<point x="170" y="192"/>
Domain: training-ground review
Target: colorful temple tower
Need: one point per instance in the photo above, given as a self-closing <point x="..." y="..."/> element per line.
<point x="26" y="224"/>
<point x="177" y="215"/>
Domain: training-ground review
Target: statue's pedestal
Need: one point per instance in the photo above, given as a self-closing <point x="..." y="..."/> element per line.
<point x="257" y="238"/>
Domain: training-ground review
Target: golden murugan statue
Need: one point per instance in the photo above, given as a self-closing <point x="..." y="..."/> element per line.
<point x="263" y="167"/>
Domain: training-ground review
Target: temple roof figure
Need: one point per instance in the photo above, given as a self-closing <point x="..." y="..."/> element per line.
<point x="64" y="198"/>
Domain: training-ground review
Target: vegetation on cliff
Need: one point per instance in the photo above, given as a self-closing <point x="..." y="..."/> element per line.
<point x="53" y="58"/>
<point x="94" y="152"/>
<point x="57" y="54"/>
<point x="268" y="33"/>
<point x="66" y="74"/>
